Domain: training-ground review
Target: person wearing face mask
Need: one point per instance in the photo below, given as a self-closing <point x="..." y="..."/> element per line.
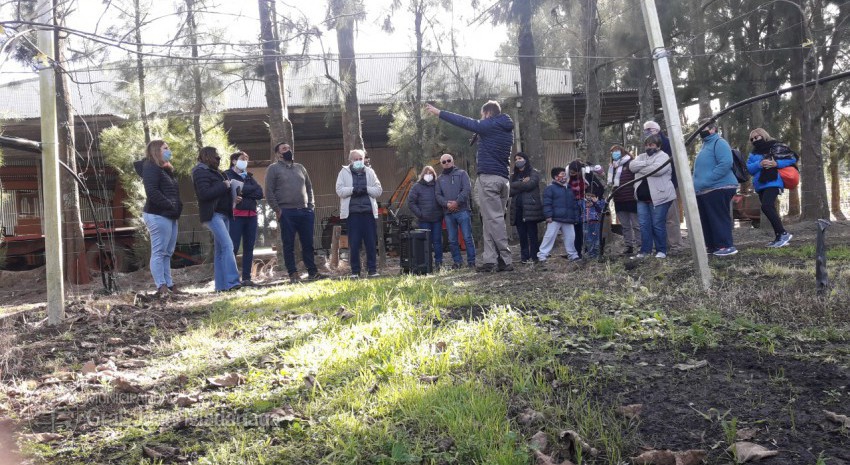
<point x="290" y="194"/>
<point x="358" y="187"/>
<point x="526" y="207"/>
<point x="215" y="209"/>
<point x="765" y="161"/>
<point x="453" y="192"/>
<point x="625" y="204"/>
<point x="162" y="209"/>
<point x="428" y="213"/>
<point x="674" y="225"/>
<point x="715" y="185"/>
<point x="561" y="212"/>
<point x="243" y="225"/>
<point x="654" y="196"/>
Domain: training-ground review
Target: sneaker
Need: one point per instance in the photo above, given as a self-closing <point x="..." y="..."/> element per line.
<point x="316" y="276"/>
<point x="661" y="255"/>
<point x="176" y="290"/>
<point x="234" y="288"/>
<point x="725" y="252"/>
<point x="294" y="277"/>
<point x="526" y="261"/>
<point x="373" y="274"/>
<point x="783" y="240"/>
<point x="457" y="266"/>
<point x="485" y="268"/>
<point x="354" y="276"/>
<point x="639" y="256"/>
<point x="772" y="244"/>
<point x="248" y="283"/>
<point x="503" y="267"/>
<point x="163" y="291"/>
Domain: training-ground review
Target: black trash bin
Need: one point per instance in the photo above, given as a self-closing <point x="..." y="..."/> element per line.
<point x="416" y="252"/>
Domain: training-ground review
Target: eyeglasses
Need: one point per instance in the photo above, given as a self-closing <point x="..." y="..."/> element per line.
<point x="753" y="139"/>
<point x="445" y="162"/>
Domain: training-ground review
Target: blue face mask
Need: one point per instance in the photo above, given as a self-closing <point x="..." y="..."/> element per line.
<point x="166" y="155"/>
<point x="244" y="174"/>
<point x="358" y="165"/>
<point x="616" y="155"/>
<point x="242" y="164"/>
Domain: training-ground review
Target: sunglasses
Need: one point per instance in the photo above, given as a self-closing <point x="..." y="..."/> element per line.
<point x="445" y="162"/>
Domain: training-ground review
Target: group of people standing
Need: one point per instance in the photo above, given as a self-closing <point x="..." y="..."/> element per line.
<point x="644" y="193"/>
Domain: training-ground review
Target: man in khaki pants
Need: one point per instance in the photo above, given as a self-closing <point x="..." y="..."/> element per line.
<point x="494" y="132"/>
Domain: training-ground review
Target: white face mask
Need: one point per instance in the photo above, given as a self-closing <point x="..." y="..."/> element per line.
<point x="242" y="164"/>
<point x="428" y="177"/>
<point x="358" y="165"/>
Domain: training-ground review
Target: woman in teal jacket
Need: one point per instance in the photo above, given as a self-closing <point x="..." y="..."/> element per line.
<point x="765" y="161"/>
<point x="715" y="185"/>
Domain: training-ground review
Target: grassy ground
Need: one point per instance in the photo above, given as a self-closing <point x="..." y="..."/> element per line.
<point x="456" y="368"/>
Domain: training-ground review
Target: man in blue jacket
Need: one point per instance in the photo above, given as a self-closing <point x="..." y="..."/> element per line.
<point x="494" y="132"/>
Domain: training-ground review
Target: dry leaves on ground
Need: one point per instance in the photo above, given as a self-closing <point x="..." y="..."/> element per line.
<point x="529" y="416"/>
<point x="691" y="365"/>
<point x="281" y="416"/>
<point x="745" y="434"/>
<point x="124" y="384"/>
<point x="748" y="451"/>
<point x="41" y="438"/>
<point x="539" y="441"/>
<point x="185" y="400"/>
<point x="543" y="459"/>
<point x="227" y="380"/>
<point x="159" y="452"/>
<point x="669" y="457"/>
<point x="343" y="314"/>
<point x="576" y="442"/>
<point x="429" y="379"/>
<point x="631" y="411"/>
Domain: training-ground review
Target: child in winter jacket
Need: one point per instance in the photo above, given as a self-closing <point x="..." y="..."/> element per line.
<point x="591" y="208"/>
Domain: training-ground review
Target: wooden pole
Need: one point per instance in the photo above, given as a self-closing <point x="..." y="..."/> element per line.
<point x="382" y="245"/>
<point x="52" y="218"/>
<point x="677" y="140"/>
<point x="334" y="261"/>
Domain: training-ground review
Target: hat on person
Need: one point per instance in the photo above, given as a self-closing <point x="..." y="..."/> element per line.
<point x="597" y="169"/>
<point x="522" y="155"/>
<point x="652" y="125"/>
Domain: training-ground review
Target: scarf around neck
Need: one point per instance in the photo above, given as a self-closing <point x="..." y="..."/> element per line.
<point x="615" y="169"/>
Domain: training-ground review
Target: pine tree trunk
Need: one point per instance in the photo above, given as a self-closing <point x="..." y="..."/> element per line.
<point x="280" y="128"/>
<point x="701" y="68"/>
<point x="794" y="135"/>
<point x="530" y="111"/>
<point x="352" y="136"/>
<point x="834" y="172"/>
<point x="198" y="105"/>
<point x="73" y="240"/>
<point x="140" y="72"/>
<point x="593" y="111"/>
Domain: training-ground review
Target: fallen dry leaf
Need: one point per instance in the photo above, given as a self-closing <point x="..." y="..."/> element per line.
<point x="133" y="363"/>
<point x="227" y="380"/>
<point x="539" y="441"/>
<point x="842" y="420"/>
<point x="543" y="459"/>
<point x="125" y="385"/>
<point x="745" y="434"/>
<point x="576" y="441"/>
<point x="42" y="438"/>
<point x="157" y="451"/>
<point x="429" y="379"/>
<point x="310" y="381"/>
<point x="185" y="400"/>
<point x="108" y="365"/>
<point x="441" y="346"/>
<point x="88" y="367"/>
<point x="690" y="457"/>
<point x="280" y="416"/>
<point x="343" y="313"/>
<point x="691" y="365"/>
<point x="115" y="341"/>
<point x="630" y="411"/>
<point x="655" y="457"/>
<point x="529" y="416"/>
<point x="746" y="451"/>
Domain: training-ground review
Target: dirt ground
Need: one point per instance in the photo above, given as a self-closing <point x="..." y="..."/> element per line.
<point x="774" y="390"/>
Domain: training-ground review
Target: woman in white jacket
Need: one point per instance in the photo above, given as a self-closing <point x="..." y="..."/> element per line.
<point x="654" y="196"/>
<point x="358" y="188"/>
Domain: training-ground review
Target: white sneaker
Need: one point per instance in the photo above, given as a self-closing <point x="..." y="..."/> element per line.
<point x="661" y="255"/>
<point x="639" y="256"/>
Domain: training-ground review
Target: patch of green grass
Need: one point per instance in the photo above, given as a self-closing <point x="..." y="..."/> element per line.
<point x="806" y="252"/>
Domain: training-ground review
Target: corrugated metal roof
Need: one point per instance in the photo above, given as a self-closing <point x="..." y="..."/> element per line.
<point x="380" y="78"/>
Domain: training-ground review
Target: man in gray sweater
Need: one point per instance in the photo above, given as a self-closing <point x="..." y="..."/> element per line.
<point x="290" y="194"/>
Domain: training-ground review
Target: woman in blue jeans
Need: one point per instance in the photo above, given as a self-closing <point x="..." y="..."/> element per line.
<point x="215" y="208"/>
<point x="243" y="225"/>
<point x="654" y="196"/>
<point x="162" y="209"/>
<point x="429" y="213"/>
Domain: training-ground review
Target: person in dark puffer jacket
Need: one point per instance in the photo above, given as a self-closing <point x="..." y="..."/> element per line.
<point x="243" y="225"/>
<point x="561" y="211"/>
<point x="492" y="189"/>
<point x="526" y="206"/>
<point x="162" y="209"/>
<point x="215" y="206"/>
<point x="625" y="203"/>
<point x="429" y="213"/>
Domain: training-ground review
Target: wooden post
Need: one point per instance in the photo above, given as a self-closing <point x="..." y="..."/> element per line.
<point x="50" y="170"/>
<point x="382" y="245"/>
<point x="334" y="259"/>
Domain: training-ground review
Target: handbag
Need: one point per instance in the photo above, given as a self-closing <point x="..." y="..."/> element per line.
<point x="790" y="176"/>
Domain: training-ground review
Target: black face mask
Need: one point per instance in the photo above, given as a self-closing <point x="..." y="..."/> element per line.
<point x="651" y="152"/>
<point x="704" y="133"/>
<point x="287" y="156"/>
<point x="761" y="146"/>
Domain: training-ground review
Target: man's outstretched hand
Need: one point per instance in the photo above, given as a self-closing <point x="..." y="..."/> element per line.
<point x="432" y="109"/>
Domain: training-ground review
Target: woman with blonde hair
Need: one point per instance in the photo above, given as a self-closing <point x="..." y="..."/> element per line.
<point x="161" y="211"/>
<point x="766" y="159"/>
<point x="429" y="213"/>
<point x="625" y="203"/>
